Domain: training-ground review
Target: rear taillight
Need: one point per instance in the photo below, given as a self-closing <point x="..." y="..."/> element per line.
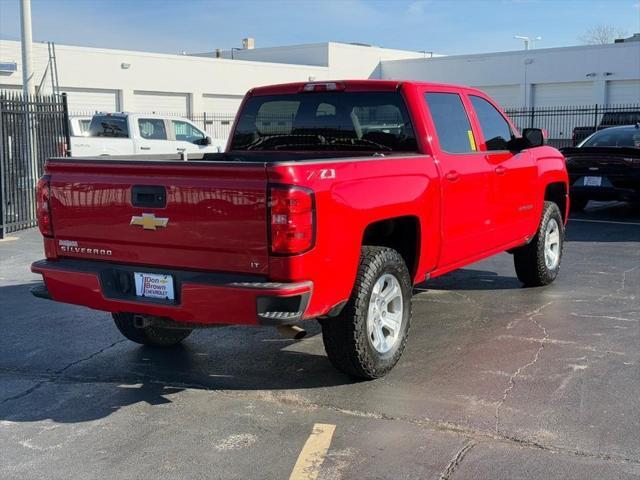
<point x="43" y="206"/>
<point x="292" y="218"/>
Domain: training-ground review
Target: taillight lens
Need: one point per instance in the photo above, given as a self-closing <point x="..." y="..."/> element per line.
<point x="43" y="206"/>
<point x="292" y="220"/>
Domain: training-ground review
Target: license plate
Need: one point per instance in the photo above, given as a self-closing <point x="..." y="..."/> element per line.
<point x="153" y="285"/>
<point x="592" y="181"/>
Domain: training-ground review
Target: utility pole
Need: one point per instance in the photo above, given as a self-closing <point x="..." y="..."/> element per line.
<point x="27" y="49"/>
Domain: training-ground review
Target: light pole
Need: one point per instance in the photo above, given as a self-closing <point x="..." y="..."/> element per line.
<point x="27" y="41"/>
<point x="527" y="40"/>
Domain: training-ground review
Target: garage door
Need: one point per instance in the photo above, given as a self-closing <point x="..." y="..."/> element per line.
<point x="559" y="94"/>
<point x="223" y="104"/>
<point x="623" y="91"/>
<point x="505" y="95"/>
<point x="88" y="101"/>
<point x="161" y="103"/>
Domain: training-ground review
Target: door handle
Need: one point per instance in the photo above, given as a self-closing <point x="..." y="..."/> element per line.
<point x="500" y="170"/>
<point x="145" y="148"/>
<point x="452" y="176"/>
<point x="180" y="149"/>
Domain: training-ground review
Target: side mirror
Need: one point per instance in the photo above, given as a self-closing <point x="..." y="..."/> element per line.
<point x="534" y="137"/>
<point x="207" y="140"/>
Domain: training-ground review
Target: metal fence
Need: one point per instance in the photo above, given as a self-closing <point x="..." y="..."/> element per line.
<point x="35" y="128"/>
<point x="560" y="122"/>
<point x="32" y="128"/>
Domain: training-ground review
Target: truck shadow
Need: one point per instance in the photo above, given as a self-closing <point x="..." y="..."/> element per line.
<point x="69" y="364"/>
<point x="470" y="279"/>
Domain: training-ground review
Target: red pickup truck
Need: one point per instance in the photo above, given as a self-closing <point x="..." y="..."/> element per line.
<point x="331" y="201"/>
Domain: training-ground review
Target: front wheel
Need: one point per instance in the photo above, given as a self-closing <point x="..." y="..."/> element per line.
<point x="368" y="337"/>
<point x="148" y="335"/>
<point x="538" y="262"/>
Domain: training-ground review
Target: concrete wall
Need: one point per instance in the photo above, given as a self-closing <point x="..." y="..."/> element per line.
<point x="311" y="54"/>
<point x="559" y="76"/>
<point x="94" y="68"/>
<point x="596" y="64"/>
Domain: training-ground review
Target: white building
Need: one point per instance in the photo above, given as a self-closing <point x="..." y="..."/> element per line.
<point x="111" y="80"/>
<point x="585" y="75"/>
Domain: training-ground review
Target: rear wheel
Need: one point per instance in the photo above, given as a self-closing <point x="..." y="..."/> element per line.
<point x="148" y="335"/>
<point x="368" y="337"/>
<point x="538" y="263"/>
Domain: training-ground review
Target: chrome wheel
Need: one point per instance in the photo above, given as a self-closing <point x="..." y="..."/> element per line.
<point x="384" y="317"/>
<point x="552" y="244"/>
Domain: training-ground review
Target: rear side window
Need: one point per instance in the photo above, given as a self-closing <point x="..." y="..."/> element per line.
<point x="108" y="126"/>
<point x="152" y="129"/>
<point x="326" y="121"/>
<point x="451" y="121"/>
<point x="185" y="132"/>
<point x="495" y="128"/>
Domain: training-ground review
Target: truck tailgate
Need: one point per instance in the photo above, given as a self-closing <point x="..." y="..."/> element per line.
<point x="213" y="216"/>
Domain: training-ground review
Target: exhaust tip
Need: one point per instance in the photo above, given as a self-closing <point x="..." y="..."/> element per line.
<point x="292" y="331"/>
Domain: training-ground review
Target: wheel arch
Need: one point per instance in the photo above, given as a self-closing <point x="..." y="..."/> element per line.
<point x="557" y="193"/>
<point x="400" y="233"/>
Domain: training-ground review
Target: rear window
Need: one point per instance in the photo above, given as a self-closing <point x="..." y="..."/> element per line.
<point x="108" y="126"/>
<point x="331" y="121"/>
<point x="452" y="123"/>
<point x="614" y="137"/>
<point x="620" y="118"/>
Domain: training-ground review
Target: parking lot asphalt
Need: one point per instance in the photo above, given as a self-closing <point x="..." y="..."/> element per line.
<point x="498" y="381"/>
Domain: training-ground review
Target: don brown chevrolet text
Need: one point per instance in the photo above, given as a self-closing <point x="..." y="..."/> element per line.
<point x="330" y="202"/>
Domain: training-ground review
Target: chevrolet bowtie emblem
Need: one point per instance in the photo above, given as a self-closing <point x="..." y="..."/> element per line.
<point x="148" y="221"/>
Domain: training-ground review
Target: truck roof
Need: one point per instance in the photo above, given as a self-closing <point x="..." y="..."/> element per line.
<point x="350" y="85"/>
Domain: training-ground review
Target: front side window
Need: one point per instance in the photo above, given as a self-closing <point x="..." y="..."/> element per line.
<point x="326" y="121"/>
<point x="152" y="129"/>
<point x="185" y="132"/>
<point x="451" y="122"/>
<point x="496" y="130"/>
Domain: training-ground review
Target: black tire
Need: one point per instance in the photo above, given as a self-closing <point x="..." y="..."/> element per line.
<point x="345" y="337"/>
<point x="578" y="204"/>
<point x="149" y="335"/>
<point x="529" y="260"/>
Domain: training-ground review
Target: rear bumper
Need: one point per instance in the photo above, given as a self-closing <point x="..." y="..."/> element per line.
<point x="201" y="298"/>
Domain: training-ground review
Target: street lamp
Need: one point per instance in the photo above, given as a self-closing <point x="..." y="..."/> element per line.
<point x="527" y="40"/>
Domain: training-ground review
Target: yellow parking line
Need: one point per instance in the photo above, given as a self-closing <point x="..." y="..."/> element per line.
<point x="312" y="455"/>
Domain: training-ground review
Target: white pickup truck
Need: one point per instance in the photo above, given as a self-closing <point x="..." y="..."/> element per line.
<point x="141" y="134"/>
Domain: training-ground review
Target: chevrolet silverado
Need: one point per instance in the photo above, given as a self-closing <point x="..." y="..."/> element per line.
<point x="330" y="202"/>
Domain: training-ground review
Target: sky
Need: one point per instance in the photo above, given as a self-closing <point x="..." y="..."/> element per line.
<point x="440" y="26"/>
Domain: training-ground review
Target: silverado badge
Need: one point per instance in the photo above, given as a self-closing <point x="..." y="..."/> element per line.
<point x="149" y="221"/>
